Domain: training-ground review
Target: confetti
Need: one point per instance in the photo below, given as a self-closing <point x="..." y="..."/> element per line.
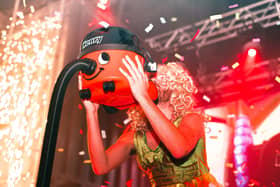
<point x="81" y="131"/>
<point x="126" y="121"/>
<point x="107" y="182"/>
<point x="162" y="20"/>
<point x="277" y="78"/>
<point x="101" y="6"/>
<point x="60" y="150"/>
<point x="229" y="165"/>
<point x="104" y="24"/>
<point x="216" y="17"/>
<point x="32" y="9"/>
<point x="129" y="183"/>
<point x="231" y="116"/>
<point x="24" y="3"/>
<point x="206" y="98"/>
<point x="103" y="134"/>
<point x="217" y="23"/>
<point x="224" y="68"/>
<point x="82" y="153"/>
<point x="80" y="106"/>
<point x="87" y="161"/>
<point x="180" y="57"/>
<point x="149" y="28"/>
<point x="197" y="32"/>
<point x="235" y="65"/>
<point x="237" y="15"/>
<point x="173" y="19"/>
<point x="233" y="6"/>
<point x="164" y="60"/>
<point x="118" y="125"/>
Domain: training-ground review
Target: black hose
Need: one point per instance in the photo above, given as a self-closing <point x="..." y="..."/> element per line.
<point x="88" y="67"/>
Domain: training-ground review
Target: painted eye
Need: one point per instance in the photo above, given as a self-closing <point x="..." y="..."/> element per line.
<point x="103" y="58"/>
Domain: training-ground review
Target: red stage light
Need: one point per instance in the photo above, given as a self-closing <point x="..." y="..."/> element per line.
<point x="252" y="52"/>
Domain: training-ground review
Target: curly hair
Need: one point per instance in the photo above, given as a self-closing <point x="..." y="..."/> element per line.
<point x="175" y="85"/>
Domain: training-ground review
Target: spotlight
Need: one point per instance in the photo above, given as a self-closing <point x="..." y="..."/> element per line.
<point x="252" y="52"/>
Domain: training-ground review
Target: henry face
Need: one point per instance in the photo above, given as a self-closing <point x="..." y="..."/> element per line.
<point x="107" y="85"/>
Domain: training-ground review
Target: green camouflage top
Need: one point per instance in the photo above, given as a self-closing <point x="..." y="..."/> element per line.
<point x="162" y="169"/>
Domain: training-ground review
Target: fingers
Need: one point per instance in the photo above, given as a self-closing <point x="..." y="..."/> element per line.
<point x="140" y="66"/>
<point x="126" y="75"/>
<point x="90" y="106"/>
<point x="130" y="66"/>
<point x="135" y="72"/>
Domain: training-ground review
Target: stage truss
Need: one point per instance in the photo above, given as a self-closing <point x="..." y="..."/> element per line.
<point x="218" y="28"/>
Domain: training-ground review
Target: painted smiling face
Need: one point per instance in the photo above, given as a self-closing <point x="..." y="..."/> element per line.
<point x="107" y="85"/>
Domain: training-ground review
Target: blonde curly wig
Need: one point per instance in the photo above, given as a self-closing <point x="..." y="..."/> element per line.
<point x="175" y="86"/>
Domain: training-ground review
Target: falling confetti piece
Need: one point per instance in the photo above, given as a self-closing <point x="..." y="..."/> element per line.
<point x="80" y="106"/>
<point x="224" y="68"/>
<point x="173" y="19"/>
<point x="178" y="56"/>
<point x="197" y="32"/>
<point x="277" y="78"/>
<point x="216" y="17"/>
<point x="126" y="121"/>
<point x="60" y="150"/>
<point x="24" y="3"/>
<point x="206" y="98"/>
<point x="87" y="161"/>
<point x="101" y="6"/>
<point x="235" y="65"/>
<point x="82" y="153"/>
<point x="229" y="165"/>
<point x="103" y="134"/>
<point x="129" y="183"/>
<point x="164" y="60"/>
<point x="237" y="15"/>
<point x="149" y="28"/>
<point x="118" y="125"/>
<point x="104" y="24"/>
<point x="81" y="131"/>
<point x="233" y="6"/>
<point x="107" y="182"/>
<point x="162" y="20"/>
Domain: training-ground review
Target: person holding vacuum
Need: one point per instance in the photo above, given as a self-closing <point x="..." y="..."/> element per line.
<point x="168" y="137"/>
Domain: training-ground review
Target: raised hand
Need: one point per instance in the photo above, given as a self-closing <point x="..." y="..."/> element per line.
<point x="138" y="80"/>
<point x="90" y="106"/>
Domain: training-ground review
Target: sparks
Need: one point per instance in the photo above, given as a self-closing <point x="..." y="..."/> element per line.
<point x="27" y="60"/>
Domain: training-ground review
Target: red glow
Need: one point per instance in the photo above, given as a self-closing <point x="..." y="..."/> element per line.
<point x="252" y="52"/>
<point x="129" y="183"/>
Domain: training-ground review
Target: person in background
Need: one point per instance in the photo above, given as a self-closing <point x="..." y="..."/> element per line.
<point x="168" y="137"/>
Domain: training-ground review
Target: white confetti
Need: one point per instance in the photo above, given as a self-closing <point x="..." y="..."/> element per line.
<point x="103" y="134"/>
<point x="206" y="98"/>
<point x="180" y="57"/>
<point x="127" y="121"/>
<point x="82" y="153"/>
<point x="216" y="17"/>
<point x="149" y="28"/>
<point x="104" y="24"/>
<point x="173" y="19"/>
<point x="162" y="20"/>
